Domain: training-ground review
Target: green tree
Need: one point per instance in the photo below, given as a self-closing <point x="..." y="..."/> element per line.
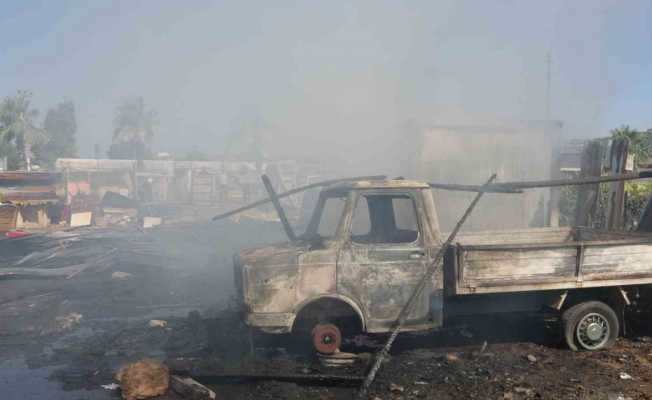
<point x="195" y="155"/>
<point x="250" y="135"/>
<point x="135" y="126"/>
<point x="60" y="128"/>
<point x="18" y="131"/>
<point x="640" y="143"/>
<point x="637" y="193"/>
<point x="8" y="150"/>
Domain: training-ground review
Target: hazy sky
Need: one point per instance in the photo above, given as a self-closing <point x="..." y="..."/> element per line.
<point x="338" y="73"/>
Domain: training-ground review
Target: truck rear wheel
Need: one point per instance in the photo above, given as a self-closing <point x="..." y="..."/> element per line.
<point x="591" y="325"/>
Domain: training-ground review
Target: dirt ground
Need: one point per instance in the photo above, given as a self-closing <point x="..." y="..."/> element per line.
<point x="64" y="338"/>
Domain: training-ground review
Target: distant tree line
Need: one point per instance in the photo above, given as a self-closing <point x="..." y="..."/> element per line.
<point x="25" y="142"/>
<point x="28" y="142"/>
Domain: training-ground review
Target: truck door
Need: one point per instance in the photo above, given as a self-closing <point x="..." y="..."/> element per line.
<point x="385" y="258"/>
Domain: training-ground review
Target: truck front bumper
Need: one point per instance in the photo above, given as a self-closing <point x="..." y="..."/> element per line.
<point x="271" y="322"/>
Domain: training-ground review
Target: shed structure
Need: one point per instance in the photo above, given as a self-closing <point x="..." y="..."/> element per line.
<point x="469" y="154"/>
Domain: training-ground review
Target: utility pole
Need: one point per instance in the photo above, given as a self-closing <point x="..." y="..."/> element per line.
<point x="548" y="86"/>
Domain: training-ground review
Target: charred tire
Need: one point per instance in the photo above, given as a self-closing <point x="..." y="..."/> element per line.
<point x="326" y="338"/>
<point x="590" y="326"/>
<point x="335" y="317"/>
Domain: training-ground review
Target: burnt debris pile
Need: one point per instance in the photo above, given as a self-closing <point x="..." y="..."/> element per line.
<point x="66" y="254"/>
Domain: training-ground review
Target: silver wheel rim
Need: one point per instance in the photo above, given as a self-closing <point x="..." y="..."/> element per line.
<point x="593" y="331"/>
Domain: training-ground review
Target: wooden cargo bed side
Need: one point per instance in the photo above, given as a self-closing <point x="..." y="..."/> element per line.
<point x="532" y="263"/>
<point x="625" y="261"/>
<point x="520" y="236"/>
<point x="590" y="234"/>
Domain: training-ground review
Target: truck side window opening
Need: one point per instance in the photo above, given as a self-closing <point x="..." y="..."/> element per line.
<point x="384" y="219"/>
<point x="330" y="217"/>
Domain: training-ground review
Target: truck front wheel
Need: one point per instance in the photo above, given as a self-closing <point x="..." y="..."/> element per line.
<point x="326" y="338"/>
<point x="591" y="325"/>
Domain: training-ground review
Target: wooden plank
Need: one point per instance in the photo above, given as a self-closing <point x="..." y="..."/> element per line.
<point x="512" y="231"/>
<point x="545" y="254"/>
<point x="491" y="266"/>
<point x="579" y="262"/>
<point x="519" y="269"/>
<point x="545" y="266"/>
<point x="627" y="261"/>
<point x="63" y="272"/>
<point x="523" y="246"/>
<point x="616" y="198"/>
<point x="585" y="234"/>
<point x="190" y="388"/>
<point x="606" y="251"/>
<point x="510" y="240"/>
<point x="525" y="236"/>
<point x="587" y="196"/>
<point x="508" y="286"/>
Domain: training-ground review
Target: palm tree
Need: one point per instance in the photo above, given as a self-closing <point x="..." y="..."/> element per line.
<point x="250" y="135"/>
<point x="639" y="141"/>
<point x="17" y="126"/>
<point x="134" y="128"/>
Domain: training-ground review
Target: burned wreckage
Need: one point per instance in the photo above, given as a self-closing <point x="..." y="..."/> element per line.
<point x="373" y="260"/>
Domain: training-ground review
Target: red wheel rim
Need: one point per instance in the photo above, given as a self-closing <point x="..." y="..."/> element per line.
<point x="326" y="338"/>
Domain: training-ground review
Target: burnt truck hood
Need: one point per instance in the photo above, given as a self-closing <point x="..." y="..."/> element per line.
<point x="276" y="254"/>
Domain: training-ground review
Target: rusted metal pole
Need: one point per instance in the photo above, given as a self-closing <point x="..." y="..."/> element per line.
<point x="517" y="187"/>
<point x="364" y="388"/>
<point x="570" y="182"/>
<point x="473" y="188"/>
<point x="279" y="209"/>
<point x="295" y="191"/>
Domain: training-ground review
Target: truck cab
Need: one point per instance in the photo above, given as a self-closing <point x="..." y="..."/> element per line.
<point x="365" y="249"/>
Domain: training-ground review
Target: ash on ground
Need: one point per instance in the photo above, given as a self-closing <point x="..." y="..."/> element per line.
<point x="167" y="294"/>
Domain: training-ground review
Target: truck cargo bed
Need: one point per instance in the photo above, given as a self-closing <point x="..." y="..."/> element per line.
<point x="545" y="259"/>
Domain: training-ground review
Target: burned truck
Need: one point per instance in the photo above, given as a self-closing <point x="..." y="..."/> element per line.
<point x="369" y="244"/>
